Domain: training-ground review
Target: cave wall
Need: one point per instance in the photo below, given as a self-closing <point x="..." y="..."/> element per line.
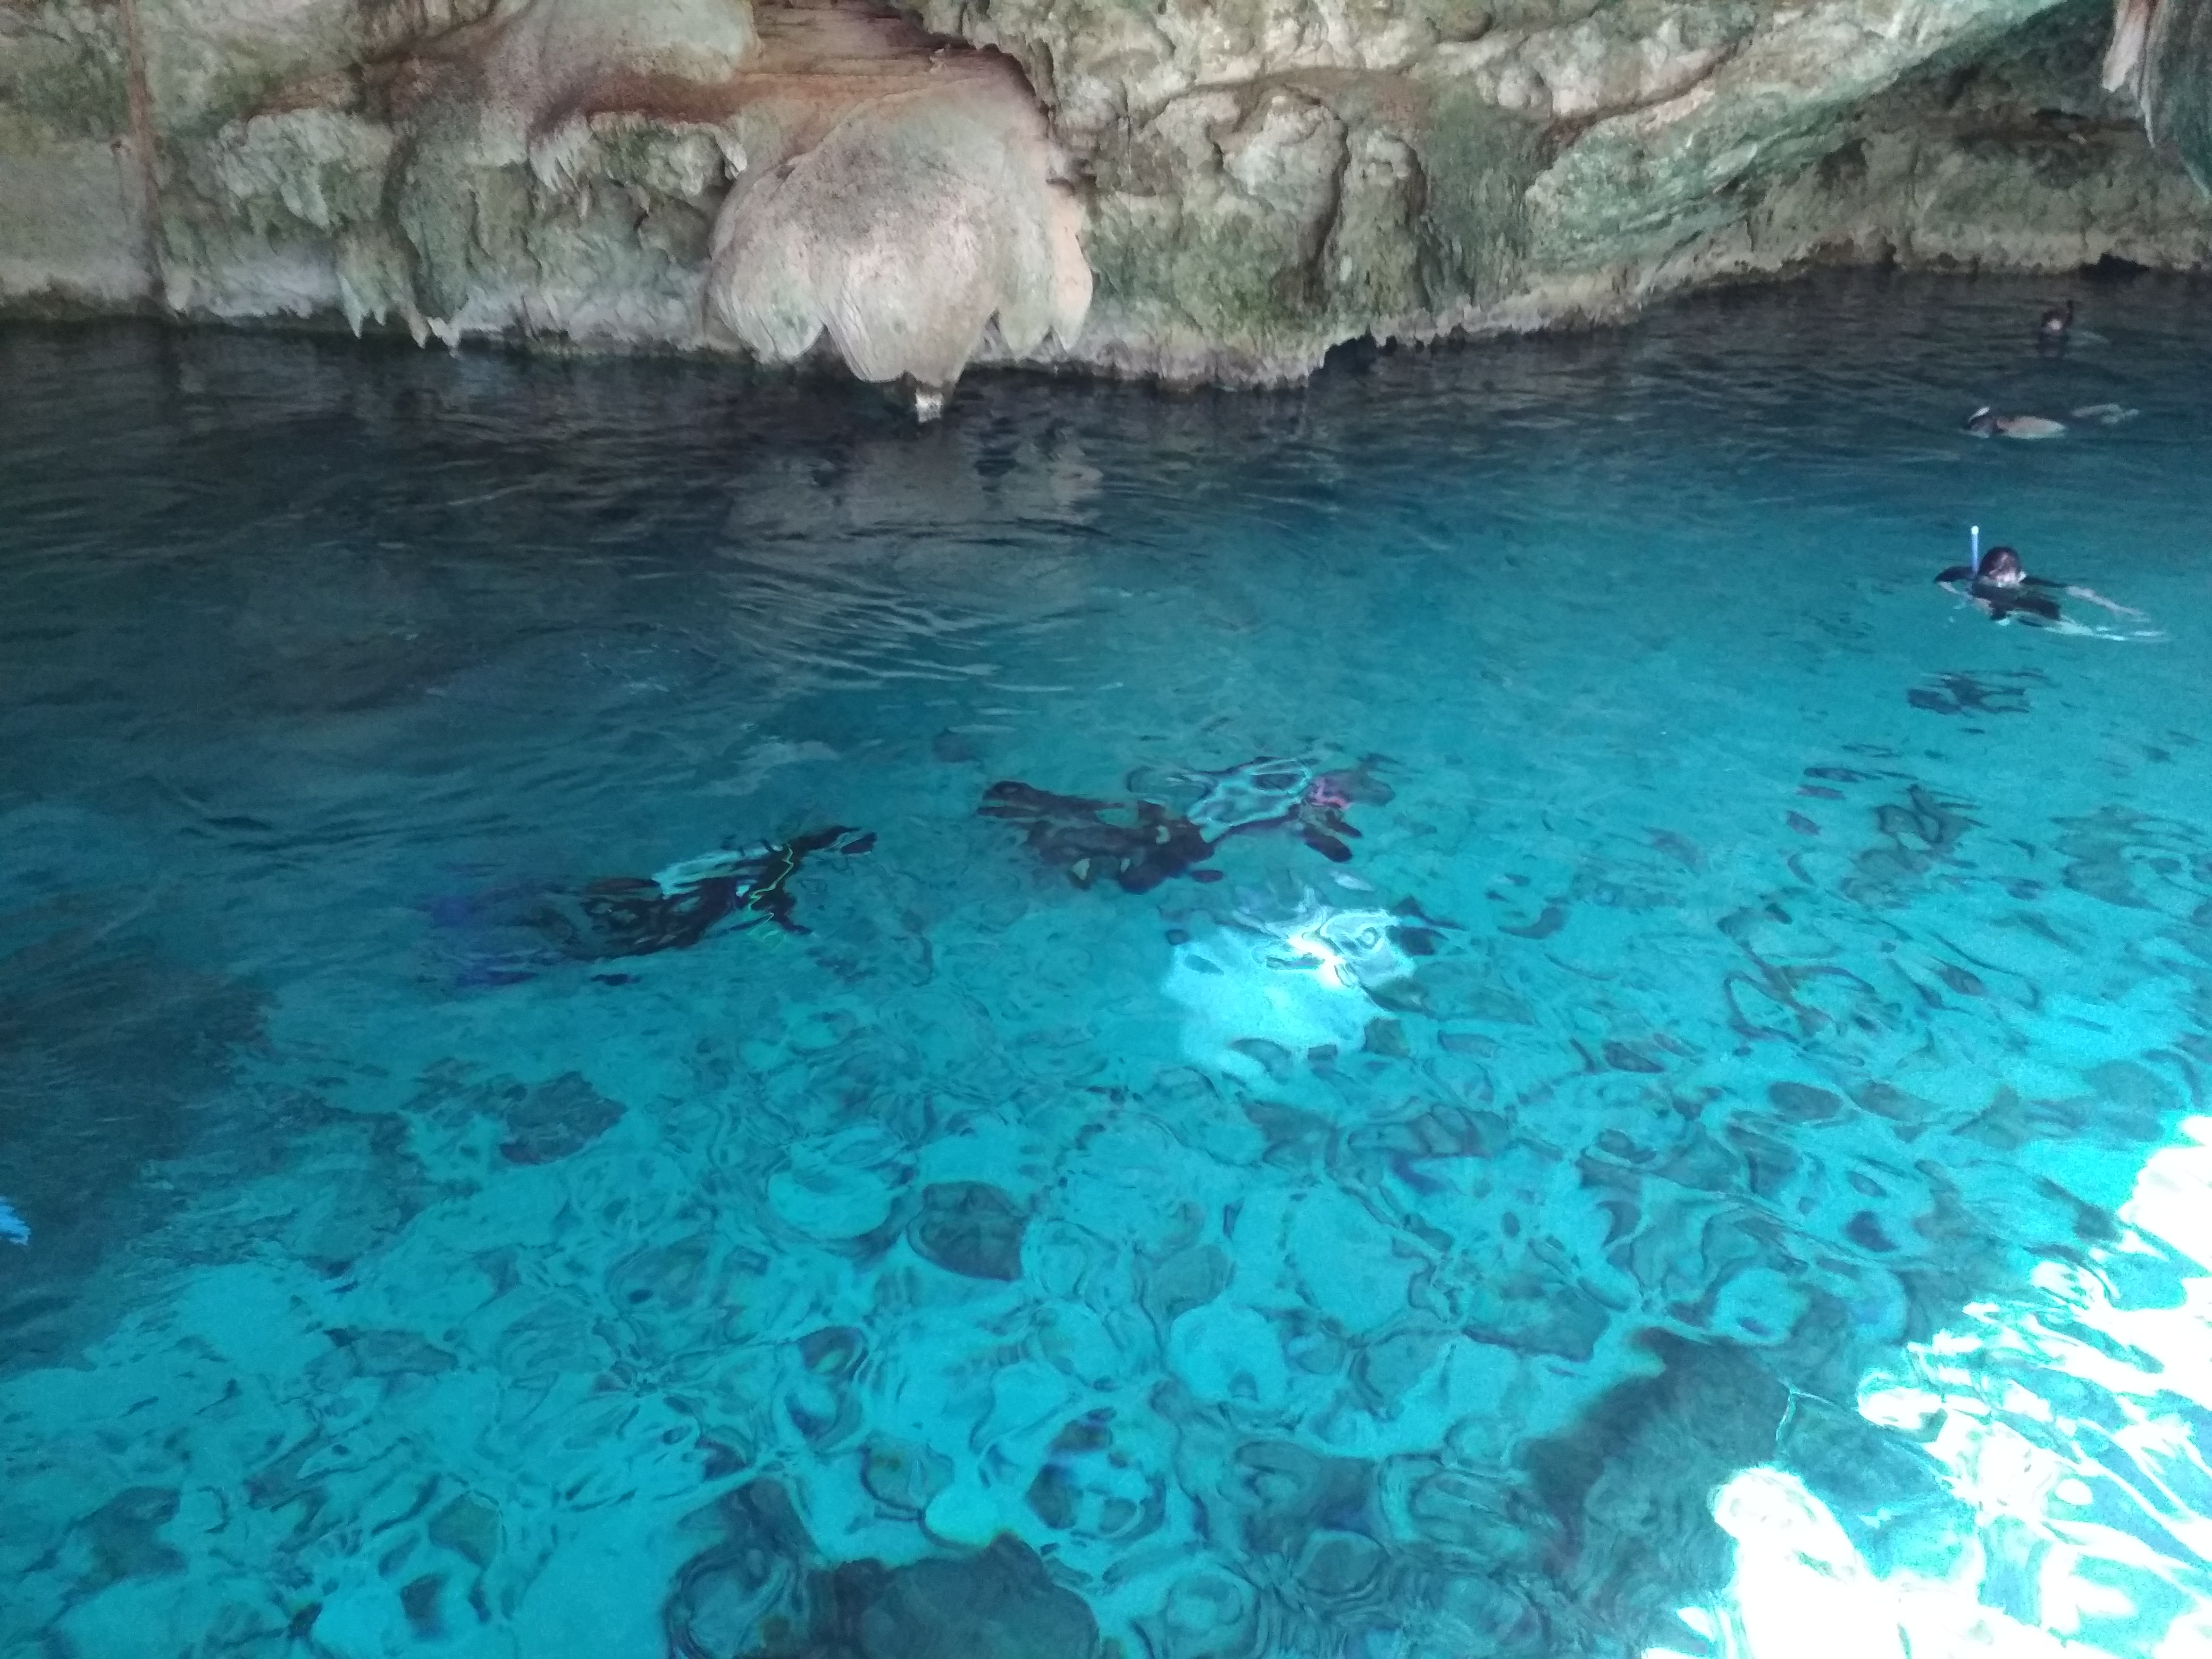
<point x="2016" y="159"/>
<point x="1196" y="191"/>
<point x="73" y="210"/>
<point x="1269" y="181"/>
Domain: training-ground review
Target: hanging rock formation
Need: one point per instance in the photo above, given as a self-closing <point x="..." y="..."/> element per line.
<point x="906" y="228"/>
<point x="489" y="178"/>
<point x="1201" y="191"/>
<point x="2162" y="57"/>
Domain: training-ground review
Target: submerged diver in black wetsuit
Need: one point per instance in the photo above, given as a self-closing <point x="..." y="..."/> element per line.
<point x="2000" y="585"/>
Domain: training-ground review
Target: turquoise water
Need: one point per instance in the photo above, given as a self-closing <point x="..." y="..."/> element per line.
<point x="1715" y="1171"/>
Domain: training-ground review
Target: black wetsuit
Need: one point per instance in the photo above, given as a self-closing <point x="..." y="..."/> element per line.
<point x="2005" y="602"/>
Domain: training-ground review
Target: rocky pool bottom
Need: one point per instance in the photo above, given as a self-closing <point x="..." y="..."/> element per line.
<point x="1456" y="1014"/>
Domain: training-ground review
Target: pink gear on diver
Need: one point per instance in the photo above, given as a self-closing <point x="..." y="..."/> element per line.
<point x="1325" y="792"/>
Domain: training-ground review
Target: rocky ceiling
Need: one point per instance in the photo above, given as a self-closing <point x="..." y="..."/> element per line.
<point x="1197" y="190"/>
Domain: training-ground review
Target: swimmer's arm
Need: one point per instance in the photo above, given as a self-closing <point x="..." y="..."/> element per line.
<point x="2076" y="590"/>
<point x="2095" y="597"/>
<point x="1957" y="572"/>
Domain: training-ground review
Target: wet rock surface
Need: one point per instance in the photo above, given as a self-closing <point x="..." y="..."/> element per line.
<point x="762" y="1593"/>
<point x="1219" y="193"/>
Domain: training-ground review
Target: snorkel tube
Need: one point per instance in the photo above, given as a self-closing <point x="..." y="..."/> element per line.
<point x="1974" y="562"/>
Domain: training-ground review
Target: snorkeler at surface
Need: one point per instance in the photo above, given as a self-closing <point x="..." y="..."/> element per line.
<point x="2057" y="323"/>
<point x="1986" y="422"/>
<point x="1999" y="584"/>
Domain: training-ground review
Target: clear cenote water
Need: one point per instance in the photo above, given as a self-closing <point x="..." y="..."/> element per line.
<point x="1714" y="1172"/>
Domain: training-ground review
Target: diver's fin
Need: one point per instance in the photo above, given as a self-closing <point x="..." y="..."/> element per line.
<point x="1325" y="844"/>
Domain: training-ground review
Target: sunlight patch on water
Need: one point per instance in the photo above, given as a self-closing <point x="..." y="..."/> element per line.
<point x="2066" y="1426"/>
<point x="1261" y="994"/>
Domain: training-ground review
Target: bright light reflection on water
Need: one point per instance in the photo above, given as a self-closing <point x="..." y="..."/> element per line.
<point x="2065" y="1424"/>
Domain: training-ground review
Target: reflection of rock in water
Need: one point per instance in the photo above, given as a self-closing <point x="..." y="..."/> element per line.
<point x="948" y="489"/>
<point x="762" y="1592"/>
<point x="903" y="556"/>
<point x="326" y="630"/>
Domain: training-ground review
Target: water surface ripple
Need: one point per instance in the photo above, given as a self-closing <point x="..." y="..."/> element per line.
<point x="1668" y="1123"/>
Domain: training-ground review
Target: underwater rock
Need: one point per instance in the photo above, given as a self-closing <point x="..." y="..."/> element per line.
<point x="384" y="1354"/>
<point x="842" y="1185"/>
<point x="904" y="1478"/>
<point x="110" y="1046"/>
<point x="1803" y="1103"/>
<point x="1282" y="1493"/>
<point x="998" y="1604"/>
<point x="534" y="1123"/>
<point x="468" y="1526"/>
<point x="1222" y="1352"/>
<point x="748" y="1588"/>
<point x="970" y="1228"/>
<point x="1640" y="1461"/>
<point x="122" y="1539"/>
<point x="761" y="1592"/>
<point x="1969" y="693"/>
<point x="552" y="1120"/>
<point x="1096" y="1485"/>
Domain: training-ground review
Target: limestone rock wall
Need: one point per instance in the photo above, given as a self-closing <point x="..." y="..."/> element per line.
<point x="73" y="209"/>
<point x="1198" y="189"/>
<point x="1272" y="180"/>
<point x="2161" y="58"/>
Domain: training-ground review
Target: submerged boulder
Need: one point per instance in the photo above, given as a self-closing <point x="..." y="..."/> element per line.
<point x="761" y="1591"/>
<point x="998" y="1603"/>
